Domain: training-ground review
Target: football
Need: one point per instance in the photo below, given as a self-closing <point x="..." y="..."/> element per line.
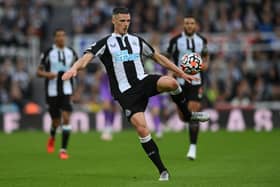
<point x="191" y="63"/>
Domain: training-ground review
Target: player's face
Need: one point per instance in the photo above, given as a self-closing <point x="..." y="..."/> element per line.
<point x="189" y="26"/>
<point x="60" y="38"/>
<point x="121" y="23"/>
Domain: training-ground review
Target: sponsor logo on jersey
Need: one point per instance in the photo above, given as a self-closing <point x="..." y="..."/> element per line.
<point x="124" y="56"/>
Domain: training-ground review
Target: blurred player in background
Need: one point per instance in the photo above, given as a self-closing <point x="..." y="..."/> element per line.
<point x="54" y="62"/>
<point x="121" y="53"/>
<point x="187" y="42"/>
<point x="109" y="108"/>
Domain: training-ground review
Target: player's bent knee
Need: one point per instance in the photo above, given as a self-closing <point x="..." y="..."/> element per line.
<point x="194" y="106"/>
<point x="56" y="122"/>
<point x="167" y="83"/>
<point x="173" y="84"/>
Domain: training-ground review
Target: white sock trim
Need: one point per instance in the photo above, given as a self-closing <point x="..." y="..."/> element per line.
<point x="177" y="91"/>
<point x="145" y="139"/>
<point x="66" y="127"/>
<point x="192" y="146"/>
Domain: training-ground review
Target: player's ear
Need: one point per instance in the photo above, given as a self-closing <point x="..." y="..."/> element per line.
<point x="114" y="19"/>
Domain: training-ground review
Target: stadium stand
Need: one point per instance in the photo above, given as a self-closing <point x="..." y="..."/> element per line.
<point x="244" y="43"/>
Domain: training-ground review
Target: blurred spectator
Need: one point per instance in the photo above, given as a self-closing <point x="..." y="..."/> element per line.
<point x="22" y="78"/>
<point x="237" y="64"/>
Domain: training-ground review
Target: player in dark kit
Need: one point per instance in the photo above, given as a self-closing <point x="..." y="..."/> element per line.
<point x="121" y="53"/>
<point x="187" y="42"/>
<point x="54" y="62"/>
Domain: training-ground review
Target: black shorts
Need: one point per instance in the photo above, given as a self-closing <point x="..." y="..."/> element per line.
<point x="193" y="92"/>
<point x="58" y="104"/>
<point x="136" y="98"/>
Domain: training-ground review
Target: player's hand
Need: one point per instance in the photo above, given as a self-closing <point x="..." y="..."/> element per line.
<point x="189" y="78"/>
<point x="69" y="74"/>
<point x="51" y="76"/>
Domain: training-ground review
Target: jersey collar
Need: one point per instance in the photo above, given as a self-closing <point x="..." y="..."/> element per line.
<point x="118" y="35"/>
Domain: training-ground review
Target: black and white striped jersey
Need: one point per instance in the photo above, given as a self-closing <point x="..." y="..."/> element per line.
<point x="58" y="61"/>
<point x="183" y="44"/>
<point x="122" y="58"/>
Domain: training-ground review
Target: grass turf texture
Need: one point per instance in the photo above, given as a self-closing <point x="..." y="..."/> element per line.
<point x="224" y="159"/>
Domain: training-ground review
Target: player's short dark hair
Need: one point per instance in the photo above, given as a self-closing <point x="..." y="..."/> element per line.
<point x="120" y="10"/>
<point x="189" y="15"/>
<point x="58" y="30"/>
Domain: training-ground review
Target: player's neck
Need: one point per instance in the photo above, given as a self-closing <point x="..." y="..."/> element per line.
<point x="189" y="34"/>
<point x="59" y="46"/>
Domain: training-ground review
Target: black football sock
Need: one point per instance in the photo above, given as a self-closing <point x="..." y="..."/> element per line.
<point x="152" y="151"/>
<point x="66" y="130"/>
<point x="53" y="131"/>
<point x="193" y="132"/>
<point x="181" y="102"/>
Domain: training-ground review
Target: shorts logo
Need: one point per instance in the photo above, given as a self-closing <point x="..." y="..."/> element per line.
<point x="127" y="112"/>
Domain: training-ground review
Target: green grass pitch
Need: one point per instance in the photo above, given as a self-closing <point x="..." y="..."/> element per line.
<point x="224" y="159"/>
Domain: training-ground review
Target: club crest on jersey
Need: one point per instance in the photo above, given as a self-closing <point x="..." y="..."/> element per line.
<point x="113" y="45"/>
<point x="124" y="56"/>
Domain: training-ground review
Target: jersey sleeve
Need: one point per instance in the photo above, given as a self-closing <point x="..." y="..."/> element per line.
<point x="97" y="48"/>
<point x="44" y="59"/>
<point x="171" y="47"/>
<point x="204" y="52"/>
<point x="75" y="55"/>
<point x="147" y="49"/>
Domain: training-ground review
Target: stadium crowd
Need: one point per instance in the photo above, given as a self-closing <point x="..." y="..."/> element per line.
<point x="233" y="76"/>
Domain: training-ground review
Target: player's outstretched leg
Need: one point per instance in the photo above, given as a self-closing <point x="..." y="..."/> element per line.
<point x="178" y="97"/>
<point x="51" y="140"/>
<point x="66" y="130"/>
<point x="148" y="144"/>
<point x="170" y="85"/>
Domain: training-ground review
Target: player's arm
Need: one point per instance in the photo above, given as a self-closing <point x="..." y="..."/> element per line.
<point x="41" y="72"/>
<point x="172" y="47"/>
<point x="204" y="56"/>
<point x="45" y="74"/>
<point x="165" y="62"/>
<point x="96" y="49"/>
<point x="81" y="63"/>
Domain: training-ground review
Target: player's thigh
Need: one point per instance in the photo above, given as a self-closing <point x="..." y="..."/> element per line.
<point x="149" y="86"/>
<point x="53" y="108"/>
<point x="166" y="84"/>
<point x="66" y="108"/>
<point x="133" y="103"/>
<point x="194" y="96"/>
